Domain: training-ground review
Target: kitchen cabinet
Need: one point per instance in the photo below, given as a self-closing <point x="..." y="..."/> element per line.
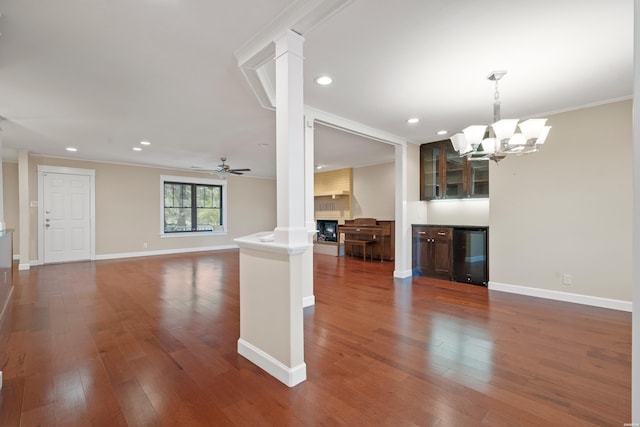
<point x="446" y="175"/>
<point x="452" y="252"/>
<point x="432" y="251"/>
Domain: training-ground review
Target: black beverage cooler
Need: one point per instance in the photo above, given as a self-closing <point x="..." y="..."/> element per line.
<point x="470" y="255"/>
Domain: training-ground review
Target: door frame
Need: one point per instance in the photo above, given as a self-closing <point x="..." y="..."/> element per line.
<point x="91" y="173"/>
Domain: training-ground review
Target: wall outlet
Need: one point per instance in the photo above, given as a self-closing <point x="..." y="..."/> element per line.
<point x="144" y="245"/>
<point x="567" y="279"/>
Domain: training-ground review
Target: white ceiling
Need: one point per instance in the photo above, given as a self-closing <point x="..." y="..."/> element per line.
<point x="101" y="75"/>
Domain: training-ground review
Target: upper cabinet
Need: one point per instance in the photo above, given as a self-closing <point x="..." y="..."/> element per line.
<point x="446" y="175"/>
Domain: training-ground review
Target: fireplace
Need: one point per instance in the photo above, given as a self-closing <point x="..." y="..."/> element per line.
<point x="327" y="230"/>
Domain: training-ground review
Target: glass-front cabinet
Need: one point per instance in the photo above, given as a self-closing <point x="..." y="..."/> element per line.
<point x="454" y="174"/>
<point x="479" y="179"/>
<point x="430" y="166"/>
<point x="446" y="175"/>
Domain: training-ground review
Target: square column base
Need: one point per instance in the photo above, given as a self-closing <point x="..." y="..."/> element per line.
<point x="271" y="315"/>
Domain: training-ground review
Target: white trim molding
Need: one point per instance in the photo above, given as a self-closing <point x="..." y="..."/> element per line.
<point x="308" y="301"/>
<point x="402" y="274"/>
<point x="288" y="376"/>
<point x="612" y="304"/>
<point x="165" y="252"/>
<point x="301" y="16"/>
<point x="264" y="241"/>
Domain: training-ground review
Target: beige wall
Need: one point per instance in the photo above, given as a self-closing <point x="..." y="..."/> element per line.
<point x="567" y="209"/>
<point x="458" y="212"/>
<point x="10" y="198"/>
<point x="128" y="208"/>
<point x="374" y="192"/>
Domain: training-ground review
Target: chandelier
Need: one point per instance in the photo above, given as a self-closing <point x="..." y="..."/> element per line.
<point x="477" y="142"/>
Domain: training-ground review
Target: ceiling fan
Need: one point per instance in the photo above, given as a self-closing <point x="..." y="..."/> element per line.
<point x="225" y="169"/>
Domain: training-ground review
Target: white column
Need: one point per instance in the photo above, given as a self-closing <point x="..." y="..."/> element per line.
<point x="3" y="225"/>
<point x="272" y="264"/>
<point x="290" y="157"/>
<point x="23" y="208"/>
<point x="635" y="274"/>
<point x="308" y="299"/>
<point x="403" y="228"/>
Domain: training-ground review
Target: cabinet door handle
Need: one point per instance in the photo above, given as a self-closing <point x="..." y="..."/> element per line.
<point x="441" y="233"/>
<point x="422" y="232"/>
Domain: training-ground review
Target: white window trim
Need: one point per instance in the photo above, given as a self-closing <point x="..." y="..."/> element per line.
<point x="193" y="180"/>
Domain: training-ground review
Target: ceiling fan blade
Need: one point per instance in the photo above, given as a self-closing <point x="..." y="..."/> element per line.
<point x="240" y="170"/>
<point x="235" y="172"/>
<point x="201" y="169"/>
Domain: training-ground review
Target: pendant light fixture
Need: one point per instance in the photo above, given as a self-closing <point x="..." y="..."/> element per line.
<point x="479" y="142"/>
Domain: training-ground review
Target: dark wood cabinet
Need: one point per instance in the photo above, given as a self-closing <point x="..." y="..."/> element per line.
<point x="446" y="175"/>
<point x="432" y="251"/>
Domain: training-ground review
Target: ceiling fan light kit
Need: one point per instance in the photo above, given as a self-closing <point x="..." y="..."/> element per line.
<point x="480" y="142"/>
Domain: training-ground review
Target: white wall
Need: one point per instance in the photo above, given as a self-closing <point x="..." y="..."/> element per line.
<point x="567" y="209"/>
<point x="374" y="192"/>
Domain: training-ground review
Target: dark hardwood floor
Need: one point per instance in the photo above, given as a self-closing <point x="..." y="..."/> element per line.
<point x="152" y="341"/>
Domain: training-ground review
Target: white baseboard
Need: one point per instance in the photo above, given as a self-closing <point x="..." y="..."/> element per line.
<point x="288" y="376"/>
<point x="164" y="252"/>
<point x="308" y="301"/>
<point x="16" y="257"/>
<point x="24" y="266"/>
<point x="563" y="296"/>
<point x="402" y="274"/>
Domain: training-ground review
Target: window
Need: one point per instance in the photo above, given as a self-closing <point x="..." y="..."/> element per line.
<point x="446" y="175"/>
<point x="192" y="205"/>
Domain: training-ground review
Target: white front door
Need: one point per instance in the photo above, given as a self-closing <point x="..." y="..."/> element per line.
<point x="67" y="217"/>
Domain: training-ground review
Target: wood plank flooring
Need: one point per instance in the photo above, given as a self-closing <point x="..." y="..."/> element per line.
<point x="152" y="341"/>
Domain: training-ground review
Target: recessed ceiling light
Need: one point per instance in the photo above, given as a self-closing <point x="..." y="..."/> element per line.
<point x="137" y="149"/>
<point x="413" y="120"/>
<point x="145" y="143"/>
<point x="442" y="132"/>
<point x="74" y="149"/>
<point x="324" y="80"/>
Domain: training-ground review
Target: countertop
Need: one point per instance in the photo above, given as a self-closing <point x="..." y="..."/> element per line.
<point x="467" y="227"/>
